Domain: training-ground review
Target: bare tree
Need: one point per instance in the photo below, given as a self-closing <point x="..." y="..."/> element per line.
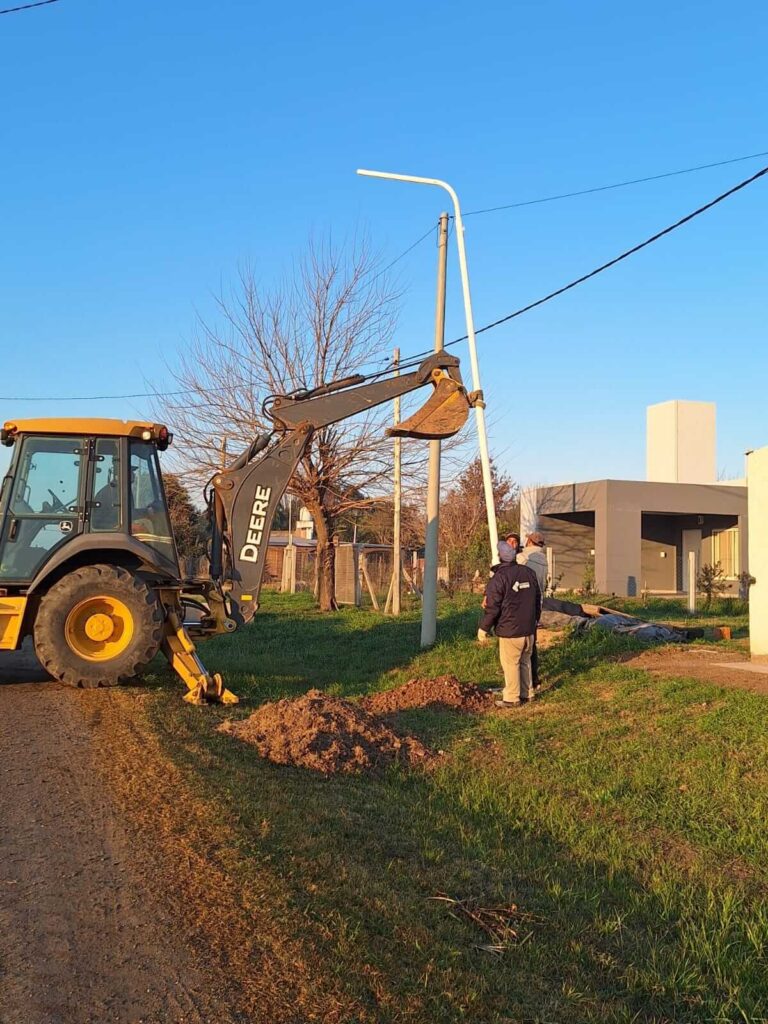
<point x="333" y="315"/>
<point x="376" y="525"/>
<point x="463" y="530"/>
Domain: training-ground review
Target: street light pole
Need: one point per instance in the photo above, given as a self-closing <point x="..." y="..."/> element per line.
<point x="482" y="435"/>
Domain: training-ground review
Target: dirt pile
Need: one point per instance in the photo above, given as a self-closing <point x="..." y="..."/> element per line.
<point x="324" y="733"/>
<point x="443" y="691"/>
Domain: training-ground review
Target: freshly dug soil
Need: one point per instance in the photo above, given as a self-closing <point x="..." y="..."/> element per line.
<point x="444" y="691"/>
<point x="326" y="734"/>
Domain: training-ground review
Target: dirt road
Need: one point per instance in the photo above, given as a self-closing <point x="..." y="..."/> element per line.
<point x="83" y="938"/>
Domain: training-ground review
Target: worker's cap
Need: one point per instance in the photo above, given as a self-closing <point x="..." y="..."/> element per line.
<point x="537" y="539"/>
<point x="506" y="552"/>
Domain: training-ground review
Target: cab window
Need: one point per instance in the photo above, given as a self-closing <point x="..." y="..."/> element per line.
<point x="149" y="515"/>
<point x="44" y="505"/>
<point x="106" y="511"/>
<point x="47" y="479"/>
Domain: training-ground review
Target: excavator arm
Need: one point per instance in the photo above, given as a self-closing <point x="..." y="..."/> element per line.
<point x="244" y="497"/>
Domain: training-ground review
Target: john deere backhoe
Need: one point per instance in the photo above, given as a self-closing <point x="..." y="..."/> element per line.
<point x="88" y="563"/>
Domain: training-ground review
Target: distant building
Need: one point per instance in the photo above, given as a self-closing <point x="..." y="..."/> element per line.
<point x="636" y="535"/>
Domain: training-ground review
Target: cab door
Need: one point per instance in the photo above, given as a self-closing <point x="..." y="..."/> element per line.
<point x="44" y="504"/>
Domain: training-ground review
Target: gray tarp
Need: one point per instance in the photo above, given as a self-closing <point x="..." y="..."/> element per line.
<point x="556" y="614"/>
<point x="650" y="632"/>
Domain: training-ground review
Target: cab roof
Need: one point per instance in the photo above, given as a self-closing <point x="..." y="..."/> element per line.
<point x="86" y="426"/>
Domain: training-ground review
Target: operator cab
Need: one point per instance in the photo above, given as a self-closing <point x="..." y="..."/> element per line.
<point x="71" y="481"/>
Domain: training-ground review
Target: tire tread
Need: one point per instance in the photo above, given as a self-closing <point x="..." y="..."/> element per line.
<point x="61" y="662"/>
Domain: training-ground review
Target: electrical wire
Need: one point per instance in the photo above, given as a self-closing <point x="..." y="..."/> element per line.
<point x="605" y="266"/>
<point x="405" y="252"/>
<point x="618" y="184"/>
<point x="26" y="7"/>
<point x="412" y="360"/>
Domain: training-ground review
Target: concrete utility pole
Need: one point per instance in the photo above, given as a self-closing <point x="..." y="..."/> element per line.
<point x="482" y="436"/>
<point x="429" y="600"/>
<point x="396" y="546"/>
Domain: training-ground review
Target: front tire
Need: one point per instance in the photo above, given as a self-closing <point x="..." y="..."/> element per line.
<point x="98" y="626"/>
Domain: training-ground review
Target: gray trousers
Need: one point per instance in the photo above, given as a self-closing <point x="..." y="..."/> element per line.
<point x="515" y="657"/>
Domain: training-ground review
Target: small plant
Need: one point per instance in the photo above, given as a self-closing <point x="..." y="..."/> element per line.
<point x="588" y="585"/>
<point x="553" y="582"/>
<point x="711" y="582"/>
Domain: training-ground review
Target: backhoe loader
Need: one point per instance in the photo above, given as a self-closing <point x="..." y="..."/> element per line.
<point x="88" y="562"/>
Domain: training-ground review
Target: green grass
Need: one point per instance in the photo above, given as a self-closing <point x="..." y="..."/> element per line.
<point x="624" y="815"/>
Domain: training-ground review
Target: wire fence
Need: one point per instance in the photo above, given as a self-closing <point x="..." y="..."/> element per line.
<point x="363" y="574"/>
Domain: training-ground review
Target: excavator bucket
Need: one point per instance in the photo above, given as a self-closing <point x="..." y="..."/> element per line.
<point x="443" y="415"/>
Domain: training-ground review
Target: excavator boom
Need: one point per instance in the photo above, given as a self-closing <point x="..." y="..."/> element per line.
<point x="245" y="496"/>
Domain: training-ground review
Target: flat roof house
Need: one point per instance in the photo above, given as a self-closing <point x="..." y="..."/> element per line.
<point x="636" y="534"/>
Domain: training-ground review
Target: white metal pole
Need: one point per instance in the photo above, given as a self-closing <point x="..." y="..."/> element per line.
<point x="482" y="435"/>
<point x="691" y="581"/>
<point x="396" y="547"/>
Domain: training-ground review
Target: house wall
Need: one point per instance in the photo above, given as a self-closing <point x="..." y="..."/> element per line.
<point x="572" y="539"/>
<point x="659" y="553"/>
<point x="618" y="564"/>
<point x="757" y="475"/>
<point x="627" y="556"/>
<point x="681" y="442"/>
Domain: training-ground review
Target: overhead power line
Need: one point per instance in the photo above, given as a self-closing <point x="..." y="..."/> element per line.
<point x="404" y="253"/>
<point x="618" y="184"/>
<point x="598" y="270"/>
<point x="410" y="248"/>
<point x="26" y="7"/>
<point x="413" y="359"/>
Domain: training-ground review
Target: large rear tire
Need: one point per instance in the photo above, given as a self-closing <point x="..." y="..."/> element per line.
<point x="98" y="626"/>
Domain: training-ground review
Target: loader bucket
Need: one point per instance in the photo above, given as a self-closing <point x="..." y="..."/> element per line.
<point x="443" y="415"/>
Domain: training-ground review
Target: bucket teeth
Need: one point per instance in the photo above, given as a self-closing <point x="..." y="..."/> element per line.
<point x="443" y="415"/>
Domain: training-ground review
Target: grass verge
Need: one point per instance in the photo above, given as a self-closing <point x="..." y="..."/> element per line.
<point x="623" y="816"/>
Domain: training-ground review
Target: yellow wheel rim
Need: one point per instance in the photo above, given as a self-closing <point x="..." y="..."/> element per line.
<point x="99" y="628"/>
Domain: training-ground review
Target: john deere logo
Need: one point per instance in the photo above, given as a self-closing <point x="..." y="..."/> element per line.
<point x="249" y="552"/>
<point x="65" y="526"/>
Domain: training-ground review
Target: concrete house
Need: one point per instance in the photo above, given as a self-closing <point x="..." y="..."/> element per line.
<point x="637" y="534"/>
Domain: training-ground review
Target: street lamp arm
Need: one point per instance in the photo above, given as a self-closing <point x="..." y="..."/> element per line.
<point x="419" y="181"/>
<point x="482" y="435"/>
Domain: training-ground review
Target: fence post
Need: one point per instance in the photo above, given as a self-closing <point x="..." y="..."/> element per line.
<point x="691" y="581"/>
<point x="551" y="569"/>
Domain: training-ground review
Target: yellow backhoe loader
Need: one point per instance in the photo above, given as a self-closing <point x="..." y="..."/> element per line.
<point x="88" y="562"/>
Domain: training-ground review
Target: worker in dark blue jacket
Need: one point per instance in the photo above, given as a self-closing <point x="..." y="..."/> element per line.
<point x="512" y="608"/>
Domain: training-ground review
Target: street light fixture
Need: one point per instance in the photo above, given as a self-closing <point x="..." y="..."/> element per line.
<point x="482" y="435"/>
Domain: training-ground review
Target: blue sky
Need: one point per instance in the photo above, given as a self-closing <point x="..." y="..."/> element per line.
<point x="147" y="149"/>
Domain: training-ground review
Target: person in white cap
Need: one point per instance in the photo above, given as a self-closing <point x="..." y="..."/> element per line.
<point x="535" y="557"/>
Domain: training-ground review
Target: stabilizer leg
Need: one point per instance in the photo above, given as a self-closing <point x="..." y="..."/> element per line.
<point x="178" y="648"/>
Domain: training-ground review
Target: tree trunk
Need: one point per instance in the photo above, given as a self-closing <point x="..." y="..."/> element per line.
<point x="326" y="561"/>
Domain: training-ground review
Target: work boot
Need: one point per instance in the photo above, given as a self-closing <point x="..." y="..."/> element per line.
<point x="507" y="703"/>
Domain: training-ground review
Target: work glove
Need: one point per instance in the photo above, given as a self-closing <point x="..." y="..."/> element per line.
<point x="482" y="636"/>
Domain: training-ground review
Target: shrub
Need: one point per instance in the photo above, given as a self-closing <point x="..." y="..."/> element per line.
<point x="711" y="582"/>
<point x="588" y="585"/>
